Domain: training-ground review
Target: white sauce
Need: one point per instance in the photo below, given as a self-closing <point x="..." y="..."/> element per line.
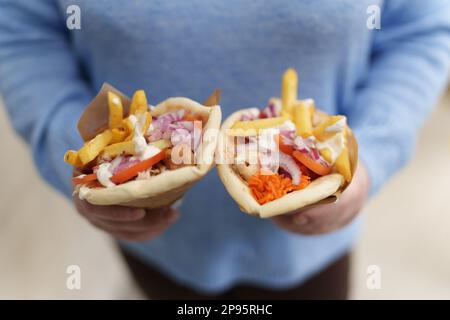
<point x="335" y="144"/>
<point x="142" y="149"/>
<point x="115" y="163"/>
<point x="277" y="103"/>
<point x="104" y="174"/>
<point x="252" y="113"/>
<point x="287" y="125"/>
<point x="150" y="129"/>
<point x="338" y="126"/>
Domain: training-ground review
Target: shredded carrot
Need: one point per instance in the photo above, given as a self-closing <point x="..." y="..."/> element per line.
<point x="304" y="182"/>
<point x="268" y="187"/>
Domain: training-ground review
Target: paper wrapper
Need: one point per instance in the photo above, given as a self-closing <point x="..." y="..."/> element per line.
<point x="167" y="187"/>
<point x="323" y="190"/>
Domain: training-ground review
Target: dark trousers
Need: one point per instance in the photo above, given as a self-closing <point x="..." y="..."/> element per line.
<point x="330" y="283"/>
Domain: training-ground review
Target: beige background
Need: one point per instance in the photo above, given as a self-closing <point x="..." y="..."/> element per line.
<point x="406" y="233"/>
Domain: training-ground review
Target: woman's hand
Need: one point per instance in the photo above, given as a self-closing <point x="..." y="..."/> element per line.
<point x="126" y="223"/>
<point x="329" y="217"/>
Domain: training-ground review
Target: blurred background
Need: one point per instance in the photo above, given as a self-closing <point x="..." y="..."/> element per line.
<point x="406" y="231"/>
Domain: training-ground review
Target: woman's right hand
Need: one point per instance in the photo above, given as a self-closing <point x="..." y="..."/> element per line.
<point x="127" y="223"/>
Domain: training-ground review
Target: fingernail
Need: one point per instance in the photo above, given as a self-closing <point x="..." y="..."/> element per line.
<point x="300" y="221"/>
<point x="135" y="213"/>
<point x="139" y="212"/>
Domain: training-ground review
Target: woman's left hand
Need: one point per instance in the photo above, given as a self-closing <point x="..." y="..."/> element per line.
<point x="329" y="217"/>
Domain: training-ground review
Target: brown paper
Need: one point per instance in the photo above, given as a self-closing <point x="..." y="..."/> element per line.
<point x="213" y="99"/>
<point x="95" y="117"/>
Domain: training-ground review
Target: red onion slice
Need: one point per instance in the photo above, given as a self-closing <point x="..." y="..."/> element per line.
<point x="196" y="135"/>
<point x="270" y="111"/>
<point x="180" y="136"/>
<point x="288" y="164"/>
<point x="315" y="153"/>
<point x="155" y="135"/>
<point x="188" y="125"/>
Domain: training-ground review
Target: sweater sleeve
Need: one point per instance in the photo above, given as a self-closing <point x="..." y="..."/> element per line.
<point x="409" y="68"/>
<point x="41" y="84"/>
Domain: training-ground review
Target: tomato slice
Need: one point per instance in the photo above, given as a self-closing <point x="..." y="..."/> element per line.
<point x="84" y="179"/>
<point x="285" y="148"/>
<point x="131" y="172"/>
<point x="311" y="164"/>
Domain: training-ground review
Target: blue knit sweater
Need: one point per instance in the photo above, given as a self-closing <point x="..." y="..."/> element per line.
<point x="385" y="80"/>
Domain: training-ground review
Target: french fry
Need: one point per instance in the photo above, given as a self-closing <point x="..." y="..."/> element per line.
<point x="303" y="119"/>
<point x="242" y="132"/>
<point x="341" y="161"/>
<point x="127" y="125"/>
<point x="321" y="132"/>
<point x="259" y="124"/>
<point x="343" y="165"/>
<point x="146" y="125"/>
<point x="115" y="110"/>
<point x="138" y="103"/>
<point x="161" y="144"/>
<point x="72" y="158"/>
<point x="148" y="122"/>
<point x="312" y="106"/>
<point x="119" y="134"/>
<point x="113" y="150"/>
<point x="289" y="89"/>
<point x="92" y="148"/>
<point x="287" y="115"/>
<point x="326" y="154"/>
<point x="122" y="131"/>
<point x="128" y="147"/>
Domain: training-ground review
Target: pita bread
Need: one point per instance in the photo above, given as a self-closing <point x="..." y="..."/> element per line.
<point x="325" y="189"/>
<point x="170" y="185"/>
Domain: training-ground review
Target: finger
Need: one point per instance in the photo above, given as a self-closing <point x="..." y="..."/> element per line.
<point x="112" y="213"/>
<point x="301" y="223"/>
<point x="143" y="235"/>
<point x="284" y="221"/>
<point x="304" y="216"/>
<point x="307" y="228"/>
<point x="317" y="225"/>
<point x="317" y="211"/>
<point x="151" y="221"/>
<point x="326" y="218"/>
